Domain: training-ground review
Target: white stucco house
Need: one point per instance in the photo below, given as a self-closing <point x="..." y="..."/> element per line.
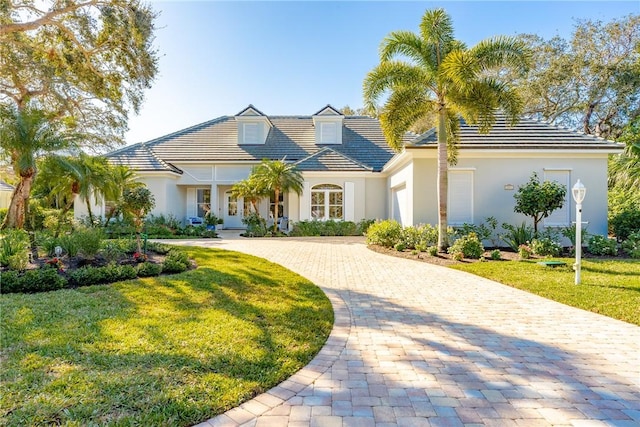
<point x="6" y="192"/>
<point x="350" y="173"/>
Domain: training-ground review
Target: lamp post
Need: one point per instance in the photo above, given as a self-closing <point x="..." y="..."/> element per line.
<point x="578" y="191"/>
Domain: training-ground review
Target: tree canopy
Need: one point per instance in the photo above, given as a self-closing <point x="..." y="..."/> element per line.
<point x="539" y="199"/>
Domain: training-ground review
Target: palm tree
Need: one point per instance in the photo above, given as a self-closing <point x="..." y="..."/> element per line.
<point x="118" y="179"/>
<point x="278" y="177"/>
<point x="432" y="74"/>
<point x="24" y="135"/>
<point x="249" y="190"/>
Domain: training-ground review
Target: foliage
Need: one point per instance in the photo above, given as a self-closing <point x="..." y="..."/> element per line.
<point x="363" y="226"/>
<point x="137" y="202"/>
<point x="256" y="225"/>
<point x="329" y="228"/>
<point x="14" y="249"/>
<point x="484" y="231"/>
<point x="525" y="251"/>
<point x="608" y="287"/>
<point x="214" y="337"/>
<point x="86" y="276"/>
<point x="250" y="189"/>
<point x="514" y="236"/>
<point x="538" y="200"/>
<point x="3" y="214"/>
<point x="632" y="245"/>
<point x="148" y="269"/>
<point x="87" y="62"/>
<point x="40" y="280"/>
<point x="469" y="246"/>
<point x="69" y="244"/>
<point x="570" y="233"/>
<point x="433" y="75"/>
<point x="496" y="255"/>
<point x="176" y="261"/>
<point x="589" y="83"/>
<point x="602" y="245"/>
<point x="385" y="233"/>
<point x="26" y="133"/>
<point x="400" y="246"/>
<point x="432" y="250"/>
<point x="545" y="246"/>
<point x="626" y="223"/>
<point x="88" y="241"/>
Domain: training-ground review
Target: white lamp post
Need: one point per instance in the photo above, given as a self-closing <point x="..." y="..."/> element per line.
<point x="578" y="191"/>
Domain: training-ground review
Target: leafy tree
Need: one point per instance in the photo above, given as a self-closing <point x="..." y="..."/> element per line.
<point x="249" y="190"/>
<point x="118" y="179"/>
<point x="138" y="202"/>
<point x="276" y="176"/>
<point x="589" y="83"/>
<point x="24" y="135"/>
<point x="538" y="200"/>
<point x="431" y="74"/>
<point x="86" y="62"/>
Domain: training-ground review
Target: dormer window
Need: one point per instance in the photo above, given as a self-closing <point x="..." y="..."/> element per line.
<point x="328" y="124"/>
<point x="253" y="126"/>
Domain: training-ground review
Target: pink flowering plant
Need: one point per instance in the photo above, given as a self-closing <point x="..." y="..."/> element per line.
<point x="139" y="257"/>
<point x="56" y="263"/>
<point x="525" y="251"/>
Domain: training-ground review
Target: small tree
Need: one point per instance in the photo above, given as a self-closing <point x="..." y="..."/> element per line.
<point x="538" y="200"/>
<point x="138" y="202"/>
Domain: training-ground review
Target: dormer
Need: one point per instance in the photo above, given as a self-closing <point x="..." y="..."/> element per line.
<point x="328" y="123"/>
<point x="253" y="126"/>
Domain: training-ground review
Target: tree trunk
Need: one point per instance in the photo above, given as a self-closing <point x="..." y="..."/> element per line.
<point x="443" y="180"/>
<point x="17" y="208"/>
<point x="275" y="210"/>
<point x="88" y="202"/>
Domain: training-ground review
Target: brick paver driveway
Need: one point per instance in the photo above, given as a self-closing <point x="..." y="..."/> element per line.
<point x="420" y="345"/>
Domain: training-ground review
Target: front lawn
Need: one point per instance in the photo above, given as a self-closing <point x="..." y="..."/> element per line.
<point x="608" y="287"/>
<point x="170" y="350"/>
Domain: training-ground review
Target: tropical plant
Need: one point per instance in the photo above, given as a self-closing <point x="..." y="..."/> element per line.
<point x="431" y="74"/>
<point x="469" y="246"/>
<point x="602" y="245"/>
<point x="249" y="189"/>
<point x="515" y="236"/>
<point x="118" y="179"/>
<point x="632" y="245"/>
<point x="14" y="249"/>
<point x="545" y="246"/>
<point x="277" y="176"/>
<point x="386" y="233"/>
<point x="25" y="134"/>
<point x="137" y="202"/>
<point x="538" y="200"/>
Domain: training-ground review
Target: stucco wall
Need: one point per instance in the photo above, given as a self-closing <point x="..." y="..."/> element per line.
<point x="375" y="198"/>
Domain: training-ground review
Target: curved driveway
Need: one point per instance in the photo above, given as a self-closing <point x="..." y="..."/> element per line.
<point x="420" y="345"/>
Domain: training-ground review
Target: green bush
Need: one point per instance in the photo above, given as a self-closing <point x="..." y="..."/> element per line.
<point x="159" y="248"/>
<point x="69" y="245"/>
<point x="496" y="255"/>
<point x="484" y="231"/>
<point x="470" y="246"/>
<point x="411" y="237"/>
<point x="421" y="247"/>
<point x="432" y="250"/>
<point x="400" y="247"/>
<point x="546" y="247"/>
<point x="88" y="241"/>
<point x="363" y="226"/>
<point x="384" y="233"/>
<point x="326" y="228"/>
<point x="112" y="250"/>
<point x="14" y="249"/>
<point x="41" y="280"/>
<point x="147" y="269"/>
<point x="602" y="245"/>
<point x="176" y="261"/>
<point x="626" y="223"/>
<point x="256" y="225"/>
<point x="514" y="236"/>
<point x="3" y="214"/>
<point x="632" y="245"/>
<point x="97" y="275"/>
<point x="570" y="233"/>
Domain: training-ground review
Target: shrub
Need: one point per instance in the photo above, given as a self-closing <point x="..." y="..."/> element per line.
<point x="515" y="236"/>
<point x="626" y="223"/>
<point x="14" y="249"/>
<point x="159" y="248"/>
<point x="147" y="269"/>
<point x="41" y="280"/>
<point x="176" y="261"/>
<point x="632" y="245"/>
<point x="88" y="241"/>
<point x="112" y="250"/>
<point x="546" y="247"/>
<point x="421" y="247"/>
<point x="384" y="233"/>
<point x="3" y="214"/>
<point x="429" y="234"/>
<point x="496" y="255"/>
<point x="97" y="275"/>
<point x="570" y="233"/>
<point x="363" y="226"/>
<point x="325" y="228"/>
<point x="400" y="247"/>
<point x="411" y="237"/>
<point x="525" y="251"/>
<point x="483" y="231"/>
<point x="457" y="256"/>
<point x="256" y="225"/>
<point x="470" y="246"/>
<point x="69" y="245"/>
<point x="432" y="250"/>
<point x="602" y="245"/>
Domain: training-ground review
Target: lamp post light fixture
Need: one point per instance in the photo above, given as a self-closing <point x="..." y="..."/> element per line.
<point x="578" y="191"/>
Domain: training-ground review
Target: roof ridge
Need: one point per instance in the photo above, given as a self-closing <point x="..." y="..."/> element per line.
<point x="323" y="149"/>
<point x="161" y="161"/>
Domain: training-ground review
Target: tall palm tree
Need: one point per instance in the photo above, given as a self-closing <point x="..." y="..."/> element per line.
<point x="25" y="134"/>
<point x="433" y="74"/>
<point x="276" y="176"/>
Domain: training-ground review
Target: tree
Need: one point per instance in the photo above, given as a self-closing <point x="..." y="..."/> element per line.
<point x="249" y="190"/>
<point x="276" y="176"/>
<point x="539" y="200"/>
<point x="138" y="202"/>
<point x="118" y="179"/>
<point x="590" y="83"/>
<point x="86" y="63"/>
<point x="433" y="75"/>
<point x="24" y="135"/>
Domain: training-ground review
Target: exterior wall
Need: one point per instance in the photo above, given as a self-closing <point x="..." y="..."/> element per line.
<point x="403" y="180"/>
<point x="5" y="199"/>
<point x="376" y="201"/>
<point x="425" y="192"/>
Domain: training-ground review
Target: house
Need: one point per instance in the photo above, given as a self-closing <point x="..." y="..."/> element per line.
<point x="350" y="173"/>
<point x="6" y="192"/>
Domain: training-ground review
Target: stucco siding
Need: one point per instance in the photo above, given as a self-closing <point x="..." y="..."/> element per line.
<point x="425" y="191"/>
<point x="375" y="195"/>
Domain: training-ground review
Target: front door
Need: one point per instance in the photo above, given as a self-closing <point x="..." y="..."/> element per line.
<point x="233" y="211"/>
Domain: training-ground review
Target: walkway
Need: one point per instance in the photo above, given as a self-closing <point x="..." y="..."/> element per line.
<point x="420" y="345"/>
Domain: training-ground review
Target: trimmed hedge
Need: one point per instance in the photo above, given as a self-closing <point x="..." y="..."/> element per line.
<point x="30" y="281"/>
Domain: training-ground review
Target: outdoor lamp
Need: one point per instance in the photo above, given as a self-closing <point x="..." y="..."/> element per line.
<point x="578" y="191"/>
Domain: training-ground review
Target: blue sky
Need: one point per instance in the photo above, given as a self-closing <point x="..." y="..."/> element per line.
<point x="294" y="57"/>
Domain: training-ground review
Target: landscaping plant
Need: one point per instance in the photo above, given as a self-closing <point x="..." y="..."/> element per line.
<point x="632" y="245"/>
<point x="602" y="245"/>
<point x="538" y="200"/>
<point x="469" y="246"/>
<point x="385" y="233"/>
<point x="545" y="246"/>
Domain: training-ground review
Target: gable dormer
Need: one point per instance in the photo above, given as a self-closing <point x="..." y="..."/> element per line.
<point x="328" y="123"/>
<point x="253" y="126"/>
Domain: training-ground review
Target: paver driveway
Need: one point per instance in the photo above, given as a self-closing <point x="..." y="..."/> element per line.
<point x="421" y="345"/>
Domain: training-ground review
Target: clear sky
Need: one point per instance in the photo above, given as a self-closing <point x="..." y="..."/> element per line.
<point x="295" y="57"/>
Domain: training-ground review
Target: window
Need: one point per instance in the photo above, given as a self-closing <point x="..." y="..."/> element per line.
<point x="280" y="204"/>
<point x="251" y="133"/>
<point x="328" y="133"/>
<point x="203" y="201"/>
<point x="326" y="202"/>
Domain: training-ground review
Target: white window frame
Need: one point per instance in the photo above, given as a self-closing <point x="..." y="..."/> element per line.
<point x="202" y="206"/>
<point x="328" y="133"/>
<point x="326" y="204"/>
<point x="251" y="133"/>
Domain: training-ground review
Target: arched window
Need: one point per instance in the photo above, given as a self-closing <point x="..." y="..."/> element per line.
<point x="326" y="202"/>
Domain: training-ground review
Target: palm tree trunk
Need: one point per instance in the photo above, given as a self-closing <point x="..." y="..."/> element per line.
<point x="443" y="180"/>
<point x="16" y="213"/>
<point x="276" y="192"/>
<point x="88" y="202"/>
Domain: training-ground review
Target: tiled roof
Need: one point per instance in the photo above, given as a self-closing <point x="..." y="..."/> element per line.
<point x="290" y="137"/>
<point x="328" y="159"/>
<point x="527" y="134"/>
<point x="6" y="187"/>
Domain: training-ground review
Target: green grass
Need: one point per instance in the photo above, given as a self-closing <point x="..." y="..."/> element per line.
<point x="608" y="287"/>
<point x="172" y="350"/>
